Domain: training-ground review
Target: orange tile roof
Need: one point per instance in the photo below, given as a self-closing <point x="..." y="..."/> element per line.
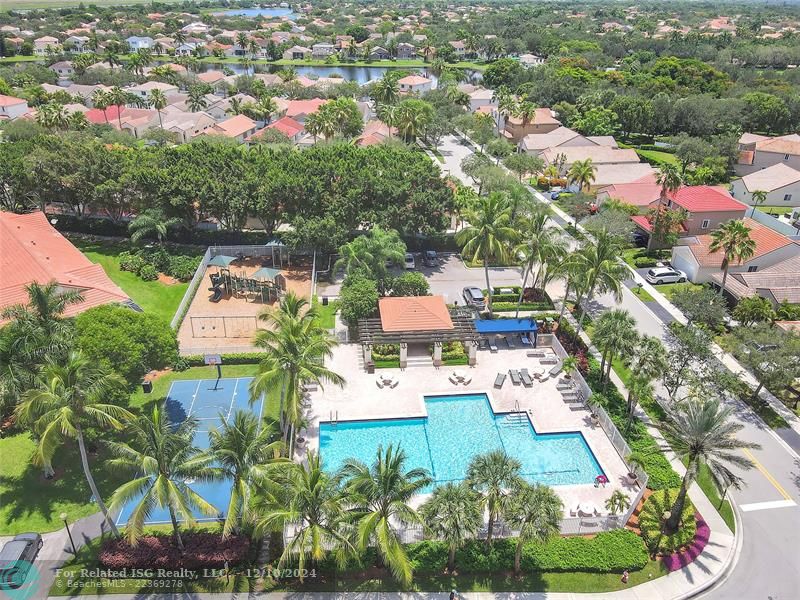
<point x="233" y="127"/>
<point x="414" y="313"/>
<point x="31" y="250"/>
<point x="767" y="240"/>
<point x="10" y="101"/>
<point x="297" y="108"/>
<point x="706" y="198"/>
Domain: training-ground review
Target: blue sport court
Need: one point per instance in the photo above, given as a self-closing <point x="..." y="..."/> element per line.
<point x="210" y="406"/>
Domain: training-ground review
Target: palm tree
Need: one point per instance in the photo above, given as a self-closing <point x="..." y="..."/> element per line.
<point x="489" y="234"/>
<point x="247" y="62"/>
<point x="701" y="432"/>
<point x="427" y="50"/>
<point x="536" y="510"/>
<point x="162" y="458"/>
<point x="618" y="502"/>
<point x="540" y="248"/>
<point x="77" y="121"/>
<point x="452" y="514"/>
<point x="733" y="238"/>
<point x="152" y="222"/>
<point x="111" y="57"/>
<point x="68" y="399"/>
<point x="758" y="198"/>
<point x="413" y="116"/>
<point x="244" y="452"/>
<point x="52" y="116"/>
<point x="583" y="173"/>
<point x="493" y="475"/>
<point x="570" y="268"/>
<point x="197" y="99"/>
<point x="241" y="41"/>
<point x="297" y="347"/>
<point x="380" y="495"/>
<point x="385" y="90"/>
<point x="388" y="114"/>
<point x="119" y="98"/>
<point x="101" y="100"/>
<point x="158" y="101"/>
<point x="525" y="110"/>
<point x="313" y="125"/>
<point x="602" y="272"/>
<point x="670" y="179"/>
<point x="506" y="103"/>
<point x="649" y="358"/>
<point x="639" y="387"/>
<point x="614" y="335"/>
<point x="311" y="505"/>
<point x="371" y="252"/>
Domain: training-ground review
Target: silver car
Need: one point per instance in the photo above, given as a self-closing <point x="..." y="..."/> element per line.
<point x="16" y="559"/>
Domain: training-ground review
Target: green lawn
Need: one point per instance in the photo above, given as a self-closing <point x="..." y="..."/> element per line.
<point x="669" y="289"/>
<point x="29" y="502"/>
<point x="327" y="314"/>
<point x="642" y="294"/>
<point x="153" y="296"/>
<point x="659" y="157"/>
<point x="775" y="210"/>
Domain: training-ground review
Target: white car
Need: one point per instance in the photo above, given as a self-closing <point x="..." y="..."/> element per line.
<point x="409" y="262"/>
<point x="665" y="275"/>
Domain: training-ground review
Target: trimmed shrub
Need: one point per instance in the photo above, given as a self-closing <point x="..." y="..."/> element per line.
<point x="203" y="549"/>
<point x="242" y="358"/>
<point x="512" y="306"/>
<point x="183" y="267"/>
<point x="148" y="273"/>
<point x="644" y="262"/>
<point x="651" y="526"/>
<point x="131" y="262"/>
<point x="385" y="352"/>
<point x="608" y="552"/>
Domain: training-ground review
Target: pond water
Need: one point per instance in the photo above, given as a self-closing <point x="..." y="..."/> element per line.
<point x="259" y="12"/>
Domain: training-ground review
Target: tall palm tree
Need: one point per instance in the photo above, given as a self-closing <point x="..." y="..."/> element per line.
<point x="702" y="432"/>
<point x="413" y="116"/>
<point x="158" y="101"/>
<point x="197" y="99"/>
<point x="536" y="510"/>
<point x="489" y="234"/>
<point x="385" y="90"/>
<point x="506" y="103"/>
<point x="380" y="495"/>
<point x="52" y="116"/>
<point x="615" y="336"/>
<point x="540" y="248"/>
<point x="312" y="506"/>
<point x="649" y="358"/>
<point x="243" y="452"/>
<point x="67" y="400"/>
<point x="152" y="222"/>
<point x="119" y="98"/>
<point x="758" y="198"/>
<point x="670" y="179"/>
<point x="570" y="268"/>
<point x="453" y="514"/>
<point x="733" y="238"/>
<point x="101" y="100"/>
<point x="297" y="348"/>
<point x="525" y="110"/>
<point x="371" y="252"/>
<point x="313" y="125"/>
<point x="602" y="271"/>
<point x="494" y="475"/>
<point x="640" y="386"/>
<point x="77" y="121"/>
<point x="583" y="173"/>
<point x="388" y="114"/>
<point x="162" y="458"/>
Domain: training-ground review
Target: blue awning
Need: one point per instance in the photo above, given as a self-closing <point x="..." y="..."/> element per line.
<point x="501" y="326"/>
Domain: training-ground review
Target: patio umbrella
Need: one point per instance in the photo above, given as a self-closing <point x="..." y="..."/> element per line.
<point x="221" y="260"/>
<point x="265" y="273"/>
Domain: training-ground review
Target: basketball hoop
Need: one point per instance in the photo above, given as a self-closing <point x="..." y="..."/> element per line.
<point x="212" y="359"/>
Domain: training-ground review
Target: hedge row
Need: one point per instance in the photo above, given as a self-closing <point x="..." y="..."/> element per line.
<point x="653" y="147"/>
<point x="147" y="264"/>
<point x="512" y="306"/>
<point x="242" y="358"/>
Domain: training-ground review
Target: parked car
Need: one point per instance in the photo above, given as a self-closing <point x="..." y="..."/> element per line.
<point x="430" y="259"/>
<point x="665" y="275"/>
<point x="16" y="559"/>
<point x="473" y="296"/>
<point x="408" y="262"/>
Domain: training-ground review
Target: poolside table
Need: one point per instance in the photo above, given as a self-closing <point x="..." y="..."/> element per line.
<point x="537" y="372"/>
<point x="586" y="509"/>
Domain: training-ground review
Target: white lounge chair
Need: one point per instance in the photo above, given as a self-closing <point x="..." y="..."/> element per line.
<point x="379" y="383"/>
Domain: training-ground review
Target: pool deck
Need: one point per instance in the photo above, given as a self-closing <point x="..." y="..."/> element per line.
<point x="361" y="399"/>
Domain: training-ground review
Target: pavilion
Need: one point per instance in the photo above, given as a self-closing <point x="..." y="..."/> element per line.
<point x="422" y="320"/>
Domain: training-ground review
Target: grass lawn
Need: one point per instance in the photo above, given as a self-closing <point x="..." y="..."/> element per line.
<point x="659" y="157"/>
<point x="327" y="314"/>
<point x="669" y="289"/>
<point x="775" y="210"/>
<point x="642" y="294"/>
<point x="29" y="502"/>
<point x="153" y="296"/>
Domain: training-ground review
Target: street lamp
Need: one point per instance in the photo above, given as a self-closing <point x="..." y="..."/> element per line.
<point x="69" y="533"/>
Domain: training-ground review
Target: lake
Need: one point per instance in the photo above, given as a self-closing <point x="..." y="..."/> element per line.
<point x="259" y="12"/>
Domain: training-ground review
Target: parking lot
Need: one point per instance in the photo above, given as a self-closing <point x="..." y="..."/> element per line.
<point x="446" y="279"/>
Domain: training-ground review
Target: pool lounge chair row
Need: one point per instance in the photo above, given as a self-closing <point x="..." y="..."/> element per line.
<point x="521" y="376"/>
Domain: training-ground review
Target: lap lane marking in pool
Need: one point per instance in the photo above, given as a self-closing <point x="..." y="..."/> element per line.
<point x="457" y="428"/>
<point x="208" y="405"/>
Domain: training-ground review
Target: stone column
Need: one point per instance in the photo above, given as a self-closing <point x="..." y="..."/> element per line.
<point x="368" y="365"/>
<point x="403" y="355"/>
<point x="472" y="351"/>
<point x="437" y="354"/>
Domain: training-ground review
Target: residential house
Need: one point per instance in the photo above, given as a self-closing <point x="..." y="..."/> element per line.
<point x="343" y="42"/>
<point x="406" y="51"/>
<point x="196" y="28"/>
<point x="780" y="181"/>
<point x="559" y="137"/>
<point x="481" y="98"/>
<point x="379" y="53"/>
<point x="12" y="108"/>
<point x="63" y="69"/>
<point x="297" y="53"/>
<point x="530" y="60"/>
<point x="189" y="49"/>
<point x="414" y="84"/>
<point x="9" y="29"/>
<point x="220" y="108"/>
<point x="758" y="152"/>
<point x="300" y="109"/>
<point x="376" y="132"/>
<point x="15" y="43"/>
<point x="544" y="121"/>
<point x="136" y="43"/>
<point x="642" y="195"/>
<point x="322" y="50"/>
<point x="76" y="44"/>
<point x="707" y="207"/>
<point x="32" y="251"/>
<point x="700" y="264"/>
<point x="237" y="127"/>
<point x="185" y="125"/>
<point x="294" y="130"/>
<point x="460" y="49"/>
<point x="212" y="78"/>
<point x="777" y="283"/>
<point x="135" y="121"/>
<point x="143" y="90"/>
<point x="46" y="44"/>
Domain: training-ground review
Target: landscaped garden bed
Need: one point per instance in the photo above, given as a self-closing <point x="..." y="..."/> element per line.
<point x="453" y="354"/>
<point x="532" y="299"/>
<point x="651" y="523"/>
<point x="202" y="549"/>
<point x="386" y="356"/>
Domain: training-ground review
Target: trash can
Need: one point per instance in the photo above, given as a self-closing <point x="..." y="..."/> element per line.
<point x="147" y="387"/>
<point x="324" y="301"/>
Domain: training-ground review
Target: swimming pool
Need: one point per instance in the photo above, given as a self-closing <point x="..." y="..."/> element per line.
<point x="457" y="428"/>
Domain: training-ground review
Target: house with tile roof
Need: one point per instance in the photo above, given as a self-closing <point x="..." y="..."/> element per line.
<point x="32" y="251"/>
<point x="414" y="84"/>
<point x="45" y="44"/>
<point x="294" y="130"/>
<point x="12" y="108"/>
<point x="758" y="152"/>
<point x="780" y="181"/>
<point x="414" y="313"/>
<point x="238" y="127"/>
<point x="300" y="109"/>
<point x="544" y="122"/>
<point x="694" y="256"/>
<point x="777" y="283"/>
<point x="642" y="195"/>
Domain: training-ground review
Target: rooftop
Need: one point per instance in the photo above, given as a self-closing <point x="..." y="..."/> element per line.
<point x="705" y="198"/>
<point x="767" y="240"/>
<point x="772" y="178"/>
<point x="414" y="313"/>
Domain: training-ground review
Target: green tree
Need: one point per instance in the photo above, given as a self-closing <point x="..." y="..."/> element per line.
<point x="65" y="403"/>
<point x="618" y="502"/>
<point x="413" y="117"/>
<point x="152" y="223"/>
<point x="615" y="336"/>
<point x="758" y="198"/>
<point x="536" y="510"/>
<point x="385" y="91"/>
<point x="602" y="271"/>
<point x="765" y="112"/>
<point x="770" y="354"/>
<point x="582" y="173"/>
<point x="597" y="121"/>
<point x="158" y="101"/>
<point x="689" y="351"/>
<point x="522" y="164"/>
<point x="370" y="252"/>
<point x="412" y="283"/>
<point x="197" y="98"/>
<point x="162" y="459"/>
<point x="702" y="306"/>
<point x="733" y="239"/>
<point x="701" y="432"/>
<point x="358" y="298"/>
<point x="493" y="476"/>
<point x="452" y="514"/>
<point x="540" y="248"/>
<point x="754" y="309"/>
<point x="489" y="234"/>
<point x="381" y="496"/>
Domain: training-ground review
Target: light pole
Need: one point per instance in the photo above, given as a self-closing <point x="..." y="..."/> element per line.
<point x="69" y="533"/>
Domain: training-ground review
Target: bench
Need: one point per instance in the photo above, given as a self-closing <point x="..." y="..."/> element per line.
<point x="563" y="386"/>
<point x="499" y="380"/>
<point x="492" y="347"/>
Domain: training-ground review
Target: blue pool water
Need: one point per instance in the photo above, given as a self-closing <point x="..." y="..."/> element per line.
<point x="456" y="429"/>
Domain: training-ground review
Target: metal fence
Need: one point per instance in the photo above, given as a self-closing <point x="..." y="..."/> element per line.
<point x="183" y="307"/>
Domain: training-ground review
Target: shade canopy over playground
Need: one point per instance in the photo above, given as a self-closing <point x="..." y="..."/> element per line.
<point x="266" y="273"/>
<point x="221" y="260"/>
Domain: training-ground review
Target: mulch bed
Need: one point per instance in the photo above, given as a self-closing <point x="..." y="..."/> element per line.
<point x="678" y="560"/>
